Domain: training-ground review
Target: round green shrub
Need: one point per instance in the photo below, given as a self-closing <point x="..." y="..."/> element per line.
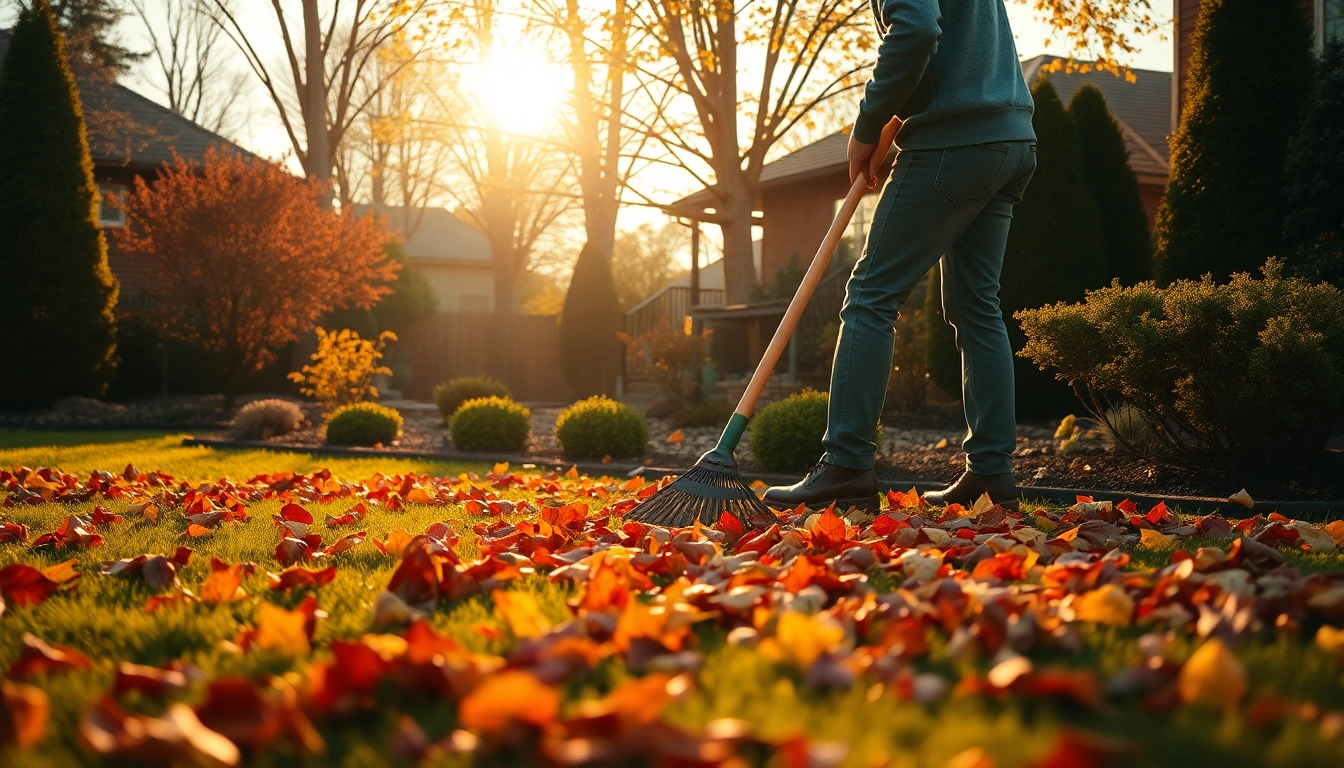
<point x="491" y="425"/>
<point x="786" y="435"/>
<point x="450" y="395"/>
<point x="363" y="424"/>
<point x="600" y="426"/>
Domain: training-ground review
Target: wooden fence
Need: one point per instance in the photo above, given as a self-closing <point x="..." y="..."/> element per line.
<point x="523" y="351"/>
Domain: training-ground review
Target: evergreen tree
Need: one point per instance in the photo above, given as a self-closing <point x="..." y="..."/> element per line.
<point x="1114" y="187"/>
<point x="1313" y="226"/>
<point x="1250" y="71"/>
<point x="412" y="296"/>
<point x="1054" y="247"/>
<point x="589" y="347"/>
<point x="58" y="291"/>
<point x="943" y="359"/>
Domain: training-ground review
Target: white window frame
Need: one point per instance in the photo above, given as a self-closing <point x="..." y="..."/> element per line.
<point x="118" y="219"/>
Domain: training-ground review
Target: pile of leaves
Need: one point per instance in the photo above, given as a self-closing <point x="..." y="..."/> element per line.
<point x="839" y="603"/>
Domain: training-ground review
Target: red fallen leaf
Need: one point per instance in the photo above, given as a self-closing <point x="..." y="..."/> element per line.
<point x="351" y="516"/>
<point x="298" y="576"/>
<point x="417" y="580"/>
<point x="487" y="631"/>
<point x="206" y="519"/>
<point x="177" y="738"/>
<point x="151" y="681"/>
<point x="245" y="568"/>
<point x="356" y="672"/>
<point x="423" y="644"/>
<point x="101" y="517"/>
<point x="13" y="533"/>
<point x="1079" y="749"/>
<point x="828" y="532"/>
<point x="170" y="600"/>
<point x="728" y="523"/>
<point x="25" y="585"/>
<point x="1158" y="514"/>
<point x="1275" y="517"/>
<point x="75" y="530"/>
<point x="347" y="542"/>
<point x="886" y="525"/>
<point x="1128" y="507"/>
<point x="1276" y="534"/>
<point x="158" y="571"/>
<point x="1213" y="526"/>
<point x="23" y="714"/>
<point x="292" y="550"/>
<point x="39" y="658"/>
<point x="1007" y="566"/>
<point x="252" y="718"/>
<point x="295" y="514"/>
<point x="759" y="541"/>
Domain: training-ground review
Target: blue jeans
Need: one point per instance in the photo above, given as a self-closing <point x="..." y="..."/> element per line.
<point x="950" y="204"/>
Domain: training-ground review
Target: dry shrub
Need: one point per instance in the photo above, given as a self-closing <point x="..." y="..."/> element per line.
<point x="263" y="419"/>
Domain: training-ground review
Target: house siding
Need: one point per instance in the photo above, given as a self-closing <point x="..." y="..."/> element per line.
<point x="795" y="219"/>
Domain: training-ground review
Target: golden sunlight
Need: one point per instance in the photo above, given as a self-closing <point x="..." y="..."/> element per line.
<point x="519" y="88"/>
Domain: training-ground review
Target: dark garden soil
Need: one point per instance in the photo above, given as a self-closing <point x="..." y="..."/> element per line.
<point x="177" y="412"/>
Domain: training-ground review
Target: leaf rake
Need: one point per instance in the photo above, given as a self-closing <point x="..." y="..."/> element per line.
<point x="714" y="485"/>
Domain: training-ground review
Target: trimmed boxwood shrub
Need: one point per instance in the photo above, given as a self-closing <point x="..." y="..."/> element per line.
<point x="450" y="395"/>
<point x="786" y="435"/>
<point x="600" y="426"/>
<point x="363" y="424"/>
<point x="1249" y="372"/>
<point x="491" y="425"/>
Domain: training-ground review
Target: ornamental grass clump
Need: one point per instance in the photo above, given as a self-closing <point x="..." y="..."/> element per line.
<point x="450" y="395"/>
<point x="1248" y="372"/>
<point x="263" y="419"/>
<point x="363" y="424"/>
<point x="491" y="425"/>
<point x="786" y="435"/>
<point x="600" y="427"/>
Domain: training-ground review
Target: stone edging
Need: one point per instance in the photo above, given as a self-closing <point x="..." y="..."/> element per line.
<point x="1302" y="510"/>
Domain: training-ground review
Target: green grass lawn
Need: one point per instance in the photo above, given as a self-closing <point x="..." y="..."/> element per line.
<point x="106" y="620"/>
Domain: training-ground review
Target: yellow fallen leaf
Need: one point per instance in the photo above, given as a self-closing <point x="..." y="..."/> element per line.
<point x="802" y="638"/>
<point x="1212" y="676"/>
<point x="521" y="613"/>
<point x="1331" y="641"/>
<point x="1148" y="538"/>
<point x="222" y="586"/>
<point x="1066" y="427"/>
<point x="419" y="496"/>
<point x="396" y="543"/>
<point x="1044" y="523"/>
<point x="1242" y="498"/>
<point x="1336" y="531"/>
<point x="281" y="630"/>
<point x="61" y="572"/>
<point x="676" y="437"/>
<point x="981" y="505"/>
<point x="941" y="444"/>
<point x="1108" y="604"/>
<point x="501" y="468"/>
<point x="573" y="473"/>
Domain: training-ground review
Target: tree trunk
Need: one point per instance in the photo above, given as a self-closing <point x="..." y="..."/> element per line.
<point x="739" y="267"/>
<point x="318" y="156"/>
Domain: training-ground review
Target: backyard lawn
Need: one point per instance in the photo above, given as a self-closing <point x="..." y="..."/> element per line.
<point x="500" y="616"/>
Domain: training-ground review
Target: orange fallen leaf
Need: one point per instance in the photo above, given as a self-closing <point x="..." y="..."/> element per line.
<point x="521" y="613"/>
<point x="509" y="697"/>
<point x="676" y="437"/>
<point x="23" y="714"/>
<point x="1212" y="676"/>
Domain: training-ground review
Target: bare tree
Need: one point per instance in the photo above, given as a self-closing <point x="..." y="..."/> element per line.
<point x="329" y="50"/>
<point x="803" y="53"/>
<point x="394" y="155"/>
<point x="191" y="72"/>
<point x="513" y="187"/>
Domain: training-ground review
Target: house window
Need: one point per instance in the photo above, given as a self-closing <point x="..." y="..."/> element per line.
<point x="473" y="302"/>
<point x="1332" y="21"/>
<point x="109" y="216"/>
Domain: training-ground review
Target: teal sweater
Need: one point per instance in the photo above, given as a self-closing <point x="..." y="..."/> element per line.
<point x="949" y="70"/>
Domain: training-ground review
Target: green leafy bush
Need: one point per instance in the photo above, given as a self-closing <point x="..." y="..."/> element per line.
<point x="363" y="424"/>
<point x="600" y="426"/>
<point x="262" y="419"/>
<point x="450" y="395"/>
<point x="707" y="413"/>
<point x="1249" y="372"/>
<point x="491" y="425"/>
<point x="786" y="435"/>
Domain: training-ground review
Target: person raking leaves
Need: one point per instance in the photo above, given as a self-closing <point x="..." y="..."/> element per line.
<point x="948" y="70"/>
<point x="947" y="88"/>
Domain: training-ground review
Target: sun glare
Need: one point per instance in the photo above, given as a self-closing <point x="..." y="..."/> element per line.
<point x="519" y="88"/>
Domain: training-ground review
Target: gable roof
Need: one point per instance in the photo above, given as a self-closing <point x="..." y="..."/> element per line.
<point x="441" y="235"/>
<point x="131" y="130"/>
<point x="1142" y="108"/>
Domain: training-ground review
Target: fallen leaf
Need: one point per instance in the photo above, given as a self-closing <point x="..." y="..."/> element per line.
<point x="1242" y="498"/>
<point x="1213" y="676"/>
<point x="676" y="437"/>
<point x="223" y="586"/>
<point x="177" y="738"/>
<point x="521" y="613"/>
<point x="24" y="710"/>
<point x="39" y="658"/>
<point x="298" y="576"/>
<point x="282" y="630"/>
<point x="1151" y="539"/>
<point x="1107" y="604"/>
<point x="509" y="697"/>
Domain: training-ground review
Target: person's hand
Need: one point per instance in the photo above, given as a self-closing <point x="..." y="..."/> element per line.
<point x="863" y="160"/>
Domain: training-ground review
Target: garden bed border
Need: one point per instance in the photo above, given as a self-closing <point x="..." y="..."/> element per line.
<point x="1313" y="511"/>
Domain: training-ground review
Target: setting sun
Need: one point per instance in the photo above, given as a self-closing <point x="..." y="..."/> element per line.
<point x="519" y="88"/>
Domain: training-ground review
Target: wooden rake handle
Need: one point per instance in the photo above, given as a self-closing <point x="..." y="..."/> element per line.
<point x="811" y="279"/>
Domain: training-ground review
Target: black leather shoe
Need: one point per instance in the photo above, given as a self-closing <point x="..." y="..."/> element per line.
<point x="828" y="483"/>
<point x="970" y="487"/>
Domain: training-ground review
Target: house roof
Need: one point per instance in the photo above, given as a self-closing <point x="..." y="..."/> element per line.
<point x="1143" y="109"/>
<point x="441" y="235"/>
<point x="131" y="130"/>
